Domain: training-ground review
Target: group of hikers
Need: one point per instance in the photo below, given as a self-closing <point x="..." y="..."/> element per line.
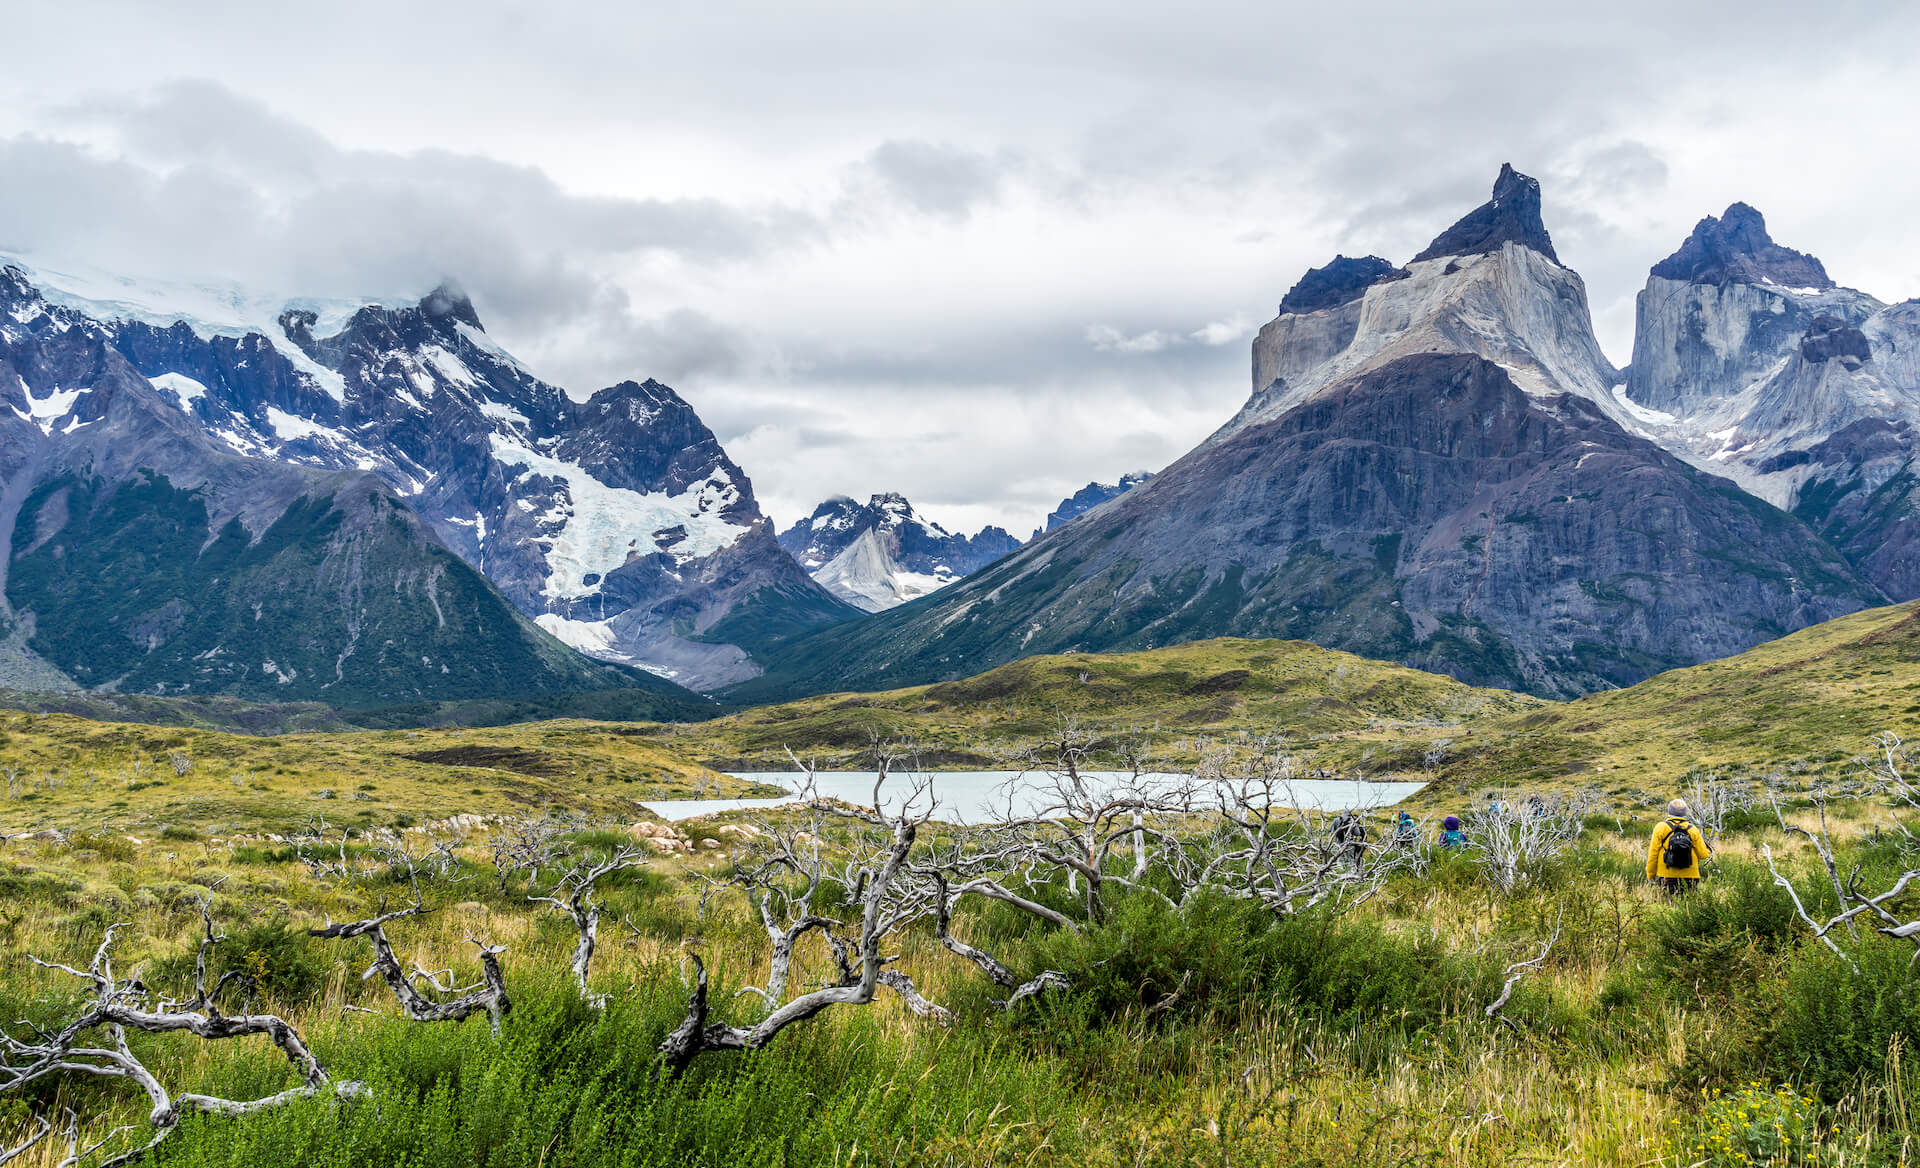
<point x="1674" y="853"/>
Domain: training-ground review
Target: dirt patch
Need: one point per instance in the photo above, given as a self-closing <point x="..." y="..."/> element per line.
<point x="517" y="759"/>
<point x="1227" y="682"/>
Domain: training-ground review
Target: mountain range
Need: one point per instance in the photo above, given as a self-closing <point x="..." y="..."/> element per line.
<point x="1437" y="465"/>
<point x="617" y="525"/>
<point x="883" y="553"/>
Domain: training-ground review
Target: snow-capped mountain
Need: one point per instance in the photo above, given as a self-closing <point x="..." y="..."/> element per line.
<point x="147" y="555"/>
<point x="1751" y="363"/>
<point x="618" y="523"/>
<point x="1088" y="497"/>
<point x="883" y="553"/>
<point x="1431" y="469"/>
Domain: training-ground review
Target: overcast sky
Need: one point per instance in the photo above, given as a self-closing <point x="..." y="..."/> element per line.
<point x="981" y="255"/>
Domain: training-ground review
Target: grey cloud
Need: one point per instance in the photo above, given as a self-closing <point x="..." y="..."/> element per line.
<point x="936" y="179"/>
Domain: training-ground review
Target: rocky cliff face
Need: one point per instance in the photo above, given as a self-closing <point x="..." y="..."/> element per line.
<point x="1501" y="295"/>
<point x="144" y="555"/>
<point x="883" y="553"/>
<point x="618" y="523"/>
<point x="1430" y="472"/>
<point x="1750" y="362"/>
<point x="1090" y="496"/>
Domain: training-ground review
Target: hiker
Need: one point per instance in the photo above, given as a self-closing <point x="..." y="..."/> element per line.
<point x="1675" y="851"/>
<point x="1536" y="807"/>
<point x="1451" y="837"/>
<point x="1350" y="836"/>
<point x="1406" y="833"/>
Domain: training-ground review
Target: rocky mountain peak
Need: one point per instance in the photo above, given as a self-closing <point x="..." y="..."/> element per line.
<point x="1511" y="215"/>
<point x="1736" y="249"/>
<point x="882" y="553"/>
<point x="450" y="300"/>
<point x="1342" y="281"/>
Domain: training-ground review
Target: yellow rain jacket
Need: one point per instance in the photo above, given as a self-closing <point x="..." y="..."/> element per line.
<point x="1656" y="850"/>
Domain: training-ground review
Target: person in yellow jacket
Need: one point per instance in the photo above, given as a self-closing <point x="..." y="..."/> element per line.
<point x="1676" y="850"/>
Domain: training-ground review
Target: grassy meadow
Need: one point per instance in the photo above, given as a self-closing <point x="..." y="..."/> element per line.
<point x="61" y="771"/>
<point x="1670" y="1032"/>
<point x="1709" y="1030"/>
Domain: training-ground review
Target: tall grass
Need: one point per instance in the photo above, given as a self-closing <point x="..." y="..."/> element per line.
<point x="1218" y="1036"/>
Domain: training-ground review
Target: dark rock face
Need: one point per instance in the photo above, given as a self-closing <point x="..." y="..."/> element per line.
<point x="1862" y="492"/>
<point x="1090" y="496"/>
<point x="1512" y="215"/>
<point x="1340" y="282"/>
<point x="1831" y="339"/>
<point x="1428" y="512"/>
<point x="1736" y="249"/>
<point x="623" y="508"/>
<point x="146" y="557"/>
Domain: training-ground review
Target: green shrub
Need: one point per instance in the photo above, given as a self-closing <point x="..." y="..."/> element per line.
<point x="1832" y="1027"/>
<point x="1224" y="955"/>
<point x="287" y="965"/>
<point x="114" y="848"/>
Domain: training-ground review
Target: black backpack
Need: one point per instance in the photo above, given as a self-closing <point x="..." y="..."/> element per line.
<point x="1679" y="850"/>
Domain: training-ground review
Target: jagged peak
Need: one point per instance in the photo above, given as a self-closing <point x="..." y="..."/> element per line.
<point x="1736" y="249"/>
<point x="1343" y="280"/>
<point x="1511" y="215"/>
<point x="448" y="299"/>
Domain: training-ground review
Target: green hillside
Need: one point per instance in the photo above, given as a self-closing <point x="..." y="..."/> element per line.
<point x="62" y="771"/>
<point x="1179" y="697"/>
<point x="1809" y="700"/>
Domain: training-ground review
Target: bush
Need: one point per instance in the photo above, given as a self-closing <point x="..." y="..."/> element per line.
<point x="287" y="965"/>
<point x="1717" y="940"/>
<point x="1230" y="954"/>
<point x="1754" y="1125"/>
<point x="1832" y="1027"/>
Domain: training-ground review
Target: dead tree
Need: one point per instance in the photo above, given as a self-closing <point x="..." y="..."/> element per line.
<point x="782" y="878"/>
<point x="455" y="1004"/>
<point x="573" y="894"/>
<point x="1886" y="772"/>
<point x="95" y="1043"/>
<point x="1271" y="845"/>
<point x="1519" y="970"/>
<point x="1711" y="799"/>
<point x="1510" y="844"/>
<point x="528" y="845"/>
<point x="944" y="899"/>
<point x="1082" y="820"/>
<point x="883" y="910"/>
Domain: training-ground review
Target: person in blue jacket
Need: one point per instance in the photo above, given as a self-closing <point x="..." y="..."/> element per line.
<point x="1451" y="837"/>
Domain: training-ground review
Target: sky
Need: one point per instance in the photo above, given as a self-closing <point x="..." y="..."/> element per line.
<point x="979" y="254"/>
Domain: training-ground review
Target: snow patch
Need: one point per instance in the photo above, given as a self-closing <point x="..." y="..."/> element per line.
<point x="292" y="427"/>
<point x="504" y="413"/>
<point x="184" y="389"/>
<point x="45" y="411"/>
<point x="593" y="528"/>
<point x="1640" y="413"/>
<point x="449" y="366"/>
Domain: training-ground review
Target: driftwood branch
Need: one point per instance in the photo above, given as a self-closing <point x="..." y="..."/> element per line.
<point x="1517" y="971"/>
<point x="489" y="995"/>
<point x="95" y="1043"/>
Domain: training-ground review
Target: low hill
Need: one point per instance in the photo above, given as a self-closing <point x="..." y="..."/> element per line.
<point x="1180" y="696"/>
<point x="1808" y="701"/>
<point x="59" y="770"/>
<point x="650" y="700"/>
